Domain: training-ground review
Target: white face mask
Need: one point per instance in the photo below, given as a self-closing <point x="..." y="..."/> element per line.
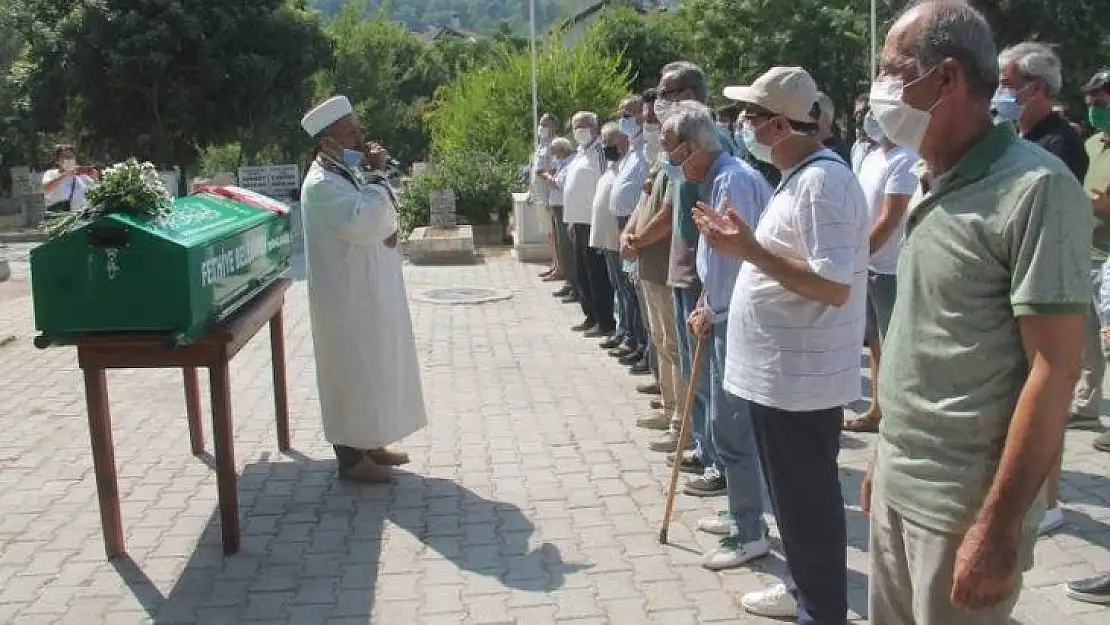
<point x="629" y="127"/>
<point x="583" y="136"/>
<point x="903" y="124"/>
<point x="544" y="133"/>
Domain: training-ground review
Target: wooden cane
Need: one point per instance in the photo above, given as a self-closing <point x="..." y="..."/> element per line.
<point x="683" y="435"/>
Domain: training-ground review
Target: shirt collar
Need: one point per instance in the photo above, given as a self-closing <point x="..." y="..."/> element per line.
<point x="978" y="160"/>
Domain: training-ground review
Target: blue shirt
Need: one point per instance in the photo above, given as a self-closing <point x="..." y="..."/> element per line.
<point x="738" y="182"/>
<point x="628" y="185"/>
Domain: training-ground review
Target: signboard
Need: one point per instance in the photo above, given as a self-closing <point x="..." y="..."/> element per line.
<point x="442" y="209"/>
<point x="276" y="181"/>
<point x="25" y="182"/>
<point x="170" y="180"/>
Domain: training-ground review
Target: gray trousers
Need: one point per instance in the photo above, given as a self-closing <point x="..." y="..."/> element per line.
<point x="1088" y="389"/>
<point x="911" y="574"/>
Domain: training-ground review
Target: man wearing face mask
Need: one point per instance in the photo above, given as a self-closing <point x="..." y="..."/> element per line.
<point x="681" y="81"/>
<point x="366" y="364"/>
<point x="629" y="344"/>
<point x="725" y="183"/>
<point x="796" y="321"/>
<point x="1028" y="81"/>
<point x="652" y="257"/>
<point x="540" y="190"/>
<point x="984" y="345"/>
<point x="595" y="292"/>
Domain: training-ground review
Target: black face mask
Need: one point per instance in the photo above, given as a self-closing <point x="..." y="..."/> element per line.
<point x="612" y="154"/>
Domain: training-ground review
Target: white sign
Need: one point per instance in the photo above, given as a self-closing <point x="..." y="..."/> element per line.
<point x="170" y="180"/>
<point x="276" y="181"/>
<point x="25" y="181"/>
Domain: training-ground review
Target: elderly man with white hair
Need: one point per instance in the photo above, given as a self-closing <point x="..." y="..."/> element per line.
<point x="366" y="364"/>
<point x="725" y="183"/>
<point x="582" y="177"/>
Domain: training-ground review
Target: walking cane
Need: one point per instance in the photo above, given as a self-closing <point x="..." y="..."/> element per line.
<point x="683" y="435"/>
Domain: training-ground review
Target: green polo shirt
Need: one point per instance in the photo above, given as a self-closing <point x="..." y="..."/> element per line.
<point x="1098" y="179"/>
<point x="1002" y="235"/>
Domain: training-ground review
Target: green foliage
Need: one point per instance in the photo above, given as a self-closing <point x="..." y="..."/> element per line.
<point x="161" y="79"/>
<point x="488" y="109"/>
<point x="483" y="16"/>
<point x="645" y="42"/>
<point x="482" y="187"/>
<point x="219" y="158"/>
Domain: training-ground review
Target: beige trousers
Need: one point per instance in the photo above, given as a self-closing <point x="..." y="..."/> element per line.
<point x="911" y="575"/>
<point x="660" y="308"/>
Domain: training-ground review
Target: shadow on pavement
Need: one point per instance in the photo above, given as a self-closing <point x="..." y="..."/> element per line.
<point x="311" y="547"/>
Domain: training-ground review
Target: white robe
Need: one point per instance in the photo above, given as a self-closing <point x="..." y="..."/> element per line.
<point x="366" y="365"/>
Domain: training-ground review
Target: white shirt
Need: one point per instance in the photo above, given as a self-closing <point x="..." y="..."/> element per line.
<point x="629" y="183"/>
<point x="560" y="167"/>
<point x="582" y="176"/>
<point x="883" y="173"/>
<point x="604" y="232"/>
<point x="73" y="189"/>
<point x="786" y="351"/>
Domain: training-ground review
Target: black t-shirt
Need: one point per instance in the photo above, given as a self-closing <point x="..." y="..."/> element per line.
<point x="1056" y="135"/>
<point x="835" y="144"/>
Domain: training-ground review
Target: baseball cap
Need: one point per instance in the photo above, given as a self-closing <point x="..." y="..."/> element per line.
<point x="787" y="91"/>
<point x="1098" y="82"/>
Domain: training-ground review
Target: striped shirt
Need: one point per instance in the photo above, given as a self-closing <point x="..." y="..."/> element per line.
<point x="786" y="351"/>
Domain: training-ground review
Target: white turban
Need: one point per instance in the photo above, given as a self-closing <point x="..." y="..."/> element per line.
<point x="332" y="110"/>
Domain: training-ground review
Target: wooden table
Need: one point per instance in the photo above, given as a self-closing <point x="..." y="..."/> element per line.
<point x="215" y="350"/>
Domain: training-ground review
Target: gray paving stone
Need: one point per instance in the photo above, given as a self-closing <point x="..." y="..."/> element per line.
<point x="528" y="500"/>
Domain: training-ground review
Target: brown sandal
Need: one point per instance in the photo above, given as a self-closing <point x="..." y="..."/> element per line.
<point x="862" y="424"/>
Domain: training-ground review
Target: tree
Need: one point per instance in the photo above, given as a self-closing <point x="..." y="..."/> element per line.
<point x="645" y="42"/>
<point x="159" y="80"/>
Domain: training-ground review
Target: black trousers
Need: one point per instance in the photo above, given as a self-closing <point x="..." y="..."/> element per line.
<point x="595" y="292"/>
<point x="798" y="452"/>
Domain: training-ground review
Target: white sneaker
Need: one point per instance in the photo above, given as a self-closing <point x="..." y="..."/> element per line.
<point x="1053" y="520"/>
<point x="732" y="553"/>
<point x="721" y="524"/>
<point x="775" y="602"/>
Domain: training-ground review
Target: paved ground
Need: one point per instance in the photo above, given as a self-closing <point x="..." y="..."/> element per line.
<point x="531" y="499"/>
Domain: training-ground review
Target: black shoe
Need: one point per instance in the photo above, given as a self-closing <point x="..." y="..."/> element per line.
<point x="570" y="299"/>
<point x="1093" y="590"/>
<point x="610" y="343"/>
<point x="1083" y="422"/>
<point x="708" y="484"/>
<point x="690" y="463"/>
<point x="631" y="358"/>
<point x="621" y="352"/>
<point x="563" y="292"/>
<point x="640" y="368"/>
<point x="595" y="333"/>
<point x="584" y="326"/>
<point x="649" y="388"/>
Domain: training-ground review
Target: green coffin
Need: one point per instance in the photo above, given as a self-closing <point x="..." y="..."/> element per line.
<point x="178" y="274"/>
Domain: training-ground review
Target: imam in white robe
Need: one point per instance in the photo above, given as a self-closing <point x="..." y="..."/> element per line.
<point x="366" y="365"/>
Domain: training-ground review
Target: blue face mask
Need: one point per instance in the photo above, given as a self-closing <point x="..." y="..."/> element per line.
<point x="674" y="172"/>
<point x="755" y="148"/>
<point x="1006" y="105"/>
<point x="352" y="158"/>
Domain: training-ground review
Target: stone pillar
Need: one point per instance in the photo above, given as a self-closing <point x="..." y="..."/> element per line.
<point x="531" y="227"/>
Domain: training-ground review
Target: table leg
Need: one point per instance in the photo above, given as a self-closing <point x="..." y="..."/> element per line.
<point x="281" y="394"/>
<point x="192" y="409"/>
<point x="104" y="460"/>
<point x="223" y="436"/>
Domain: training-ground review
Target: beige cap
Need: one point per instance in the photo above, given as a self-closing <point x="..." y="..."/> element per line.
<point x="788" y="91"/>
<point x="326" y="114"/>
